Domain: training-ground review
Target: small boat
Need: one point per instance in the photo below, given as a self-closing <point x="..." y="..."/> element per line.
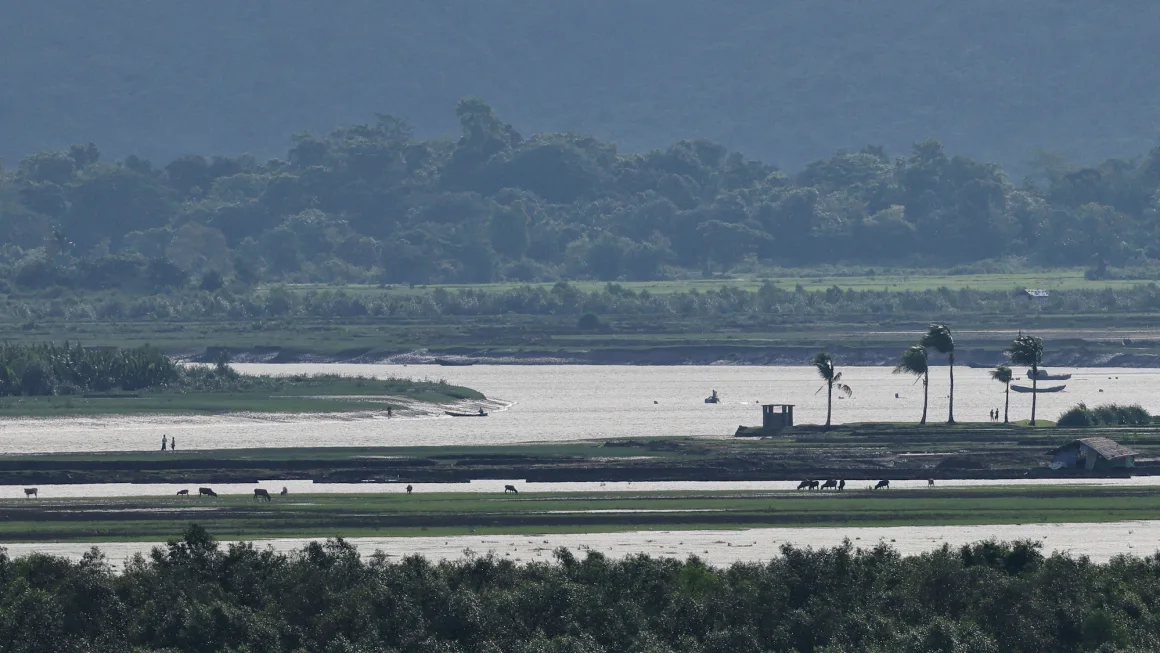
<point x="453" y="363"/>
<point x="1023" y="388"/>
<point x="479" y="414"/>
<point x="713" y="398"/>
<point x="1043" y="375"/>
<point x="979" y="366"/>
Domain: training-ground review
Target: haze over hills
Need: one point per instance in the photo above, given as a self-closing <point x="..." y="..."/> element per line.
<point x="783" y="81"/>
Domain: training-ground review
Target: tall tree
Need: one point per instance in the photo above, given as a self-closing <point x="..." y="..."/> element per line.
<point x="825" y="364"/>
<point x="914" y="361"/>
<point x="939" y="338"/>
<point x="1028" y="350"/>
<point x="1002" y="374"/>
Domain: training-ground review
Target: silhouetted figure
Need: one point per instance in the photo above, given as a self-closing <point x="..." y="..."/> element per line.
<point x="481" y="410"/>
<point x="259" y="493"/>
<point x="409" y="488"/>
<point x="832" y="483"/>
<point x="882" y="484"/>
<point x="164" y="441"/>
<point x="814" y="485"/>
<point x="841" y="485"/>
<point x="173" y="443"/>
<point x="205" y="491"/>
<point x="30" y="492"/>
<point x="183" y="493"/>
<point x="388" y="411"/>
<point x="804" y="485"/>
<point x="510" y="488"/>
<point x="285" y="491"/>
<point x="930" y="482"/>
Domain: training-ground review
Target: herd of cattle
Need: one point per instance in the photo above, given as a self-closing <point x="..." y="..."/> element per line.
<point x="840" y="485"/>
<point x="260" y="493"/>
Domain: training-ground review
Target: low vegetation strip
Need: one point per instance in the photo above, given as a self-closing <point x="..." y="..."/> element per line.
<point x="47" y="380"/>
<point x="403" y="513"/>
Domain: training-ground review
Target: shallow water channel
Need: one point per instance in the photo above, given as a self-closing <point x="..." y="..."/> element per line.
<point x="560" y="403"/>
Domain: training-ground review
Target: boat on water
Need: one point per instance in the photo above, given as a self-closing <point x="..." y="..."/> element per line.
<point x="481" y="413"/>
<point x="1023" y="388"/>
<point x="979" y="366"/>
<point x="713" y="398"/>
<point x="1044" y="375"/>
<point x="453" y="363"/>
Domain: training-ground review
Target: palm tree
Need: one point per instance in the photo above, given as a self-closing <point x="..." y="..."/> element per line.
<point x="914" y="361"/>
<point x="1028" y="350"/>
<point x="825" y="364"/>
<point x="1002" y="374"/>
<point x="939" y="338"/>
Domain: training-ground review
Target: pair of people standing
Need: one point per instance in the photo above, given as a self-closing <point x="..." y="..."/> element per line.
<point x="172" y="443"/>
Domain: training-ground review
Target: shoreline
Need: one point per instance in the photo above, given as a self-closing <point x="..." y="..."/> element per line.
<point x="658" y="356"/>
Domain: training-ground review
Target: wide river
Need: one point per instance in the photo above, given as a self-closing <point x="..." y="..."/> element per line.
<point x="577" y="402"/>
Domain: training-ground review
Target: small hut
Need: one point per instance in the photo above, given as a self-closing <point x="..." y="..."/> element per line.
<point x="1093" y="454"/>
<point x="1035" y="294"/>
<point x="774" y="419"/>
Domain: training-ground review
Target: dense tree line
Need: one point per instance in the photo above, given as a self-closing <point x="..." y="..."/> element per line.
<point x="191" y="595"/>
<point x="372" y="203"/>
<point x="768" y="303"/>
<point x="50" y="369"/>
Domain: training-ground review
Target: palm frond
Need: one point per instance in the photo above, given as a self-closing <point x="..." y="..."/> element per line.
<point x="913" y="361"/>
<point x="939" y="338"/>
<point x="1002" y="374"/>
<point x="844" y="389"/>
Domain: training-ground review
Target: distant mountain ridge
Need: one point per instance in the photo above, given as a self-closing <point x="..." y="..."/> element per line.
<point x="785" y="81"/>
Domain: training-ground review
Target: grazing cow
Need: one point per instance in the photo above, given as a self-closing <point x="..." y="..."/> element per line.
<point x="832" y="483"/>
<point x="205" y="491"/>
<point x="409" y="488"/>
<point x="814" y="485"/>
<point x="930" y="482"/>
<point x="259" y="493"/>
<point x="285" y="491"/>
<point x="882" y="484"/>
<point x="29" y="492"/>
<point x="841" y="485"/>
<point x="804" y="485"/>
<point x="510" y="488"/>
<point x="183" y="493"/>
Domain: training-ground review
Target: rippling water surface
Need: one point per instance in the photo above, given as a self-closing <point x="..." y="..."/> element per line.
<point x="575" y="402"/>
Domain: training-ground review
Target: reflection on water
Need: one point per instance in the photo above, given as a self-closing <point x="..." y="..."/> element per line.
<point x="1097" y="541"/>
<point x="576" y="402"/>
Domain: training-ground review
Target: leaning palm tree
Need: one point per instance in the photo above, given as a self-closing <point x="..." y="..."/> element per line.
<point x="914" y="361"/>
<point x="1002" y="374"/>
<point x="939" y="338"/>
<point x="1028" y="350"/>
<point x="825" y="364"/>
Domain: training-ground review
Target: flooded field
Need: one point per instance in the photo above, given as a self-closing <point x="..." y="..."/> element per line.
<point x="570" y="402"/>
<point x="297" y="487"/>
<point x="1100" y="542"/>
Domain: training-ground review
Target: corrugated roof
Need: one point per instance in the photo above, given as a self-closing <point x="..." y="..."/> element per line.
<point x="1105" y="447"/>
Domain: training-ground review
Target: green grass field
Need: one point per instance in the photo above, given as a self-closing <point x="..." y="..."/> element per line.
<point x="400" y="514"/>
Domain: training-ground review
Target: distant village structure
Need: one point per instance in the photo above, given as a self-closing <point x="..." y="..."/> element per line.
<point x="1093" y="454"/>
<point x="775" y="417"/>
<point x="1033" y="294"/>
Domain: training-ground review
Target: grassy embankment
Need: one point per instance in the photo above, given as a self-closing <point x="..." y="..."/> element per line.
<point x="856" y="451"/>
<point x="399" y="514"/>
<point x="317" y="394"/>
<point x="636" y="338"/>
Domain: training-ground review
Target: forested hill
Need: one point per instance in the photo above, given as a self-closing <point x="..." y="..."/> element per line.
<point x="785" y="81"/>
<point x="373" y="203"/>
